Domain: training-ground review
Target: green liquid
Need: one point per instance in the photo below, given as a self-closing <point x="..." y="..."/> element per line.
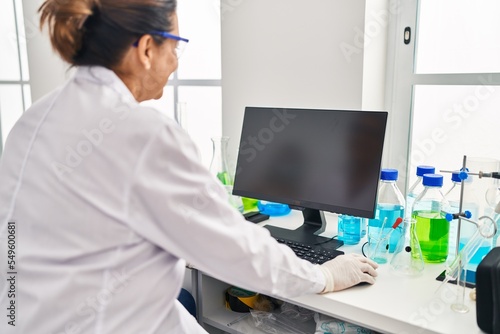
<point x="249" y="204"/>
<point x="432" y="233"/>
<point x="224" y="178"/>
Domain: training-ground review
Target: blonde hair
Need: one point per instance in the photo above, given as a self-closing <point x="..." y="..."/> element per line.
<point x="98" y="32"/>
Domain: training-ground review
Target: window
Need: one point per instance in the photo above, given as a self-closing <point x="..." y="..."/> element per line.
<point x="458" y="36"/>
<point x="446" y="90"/>
<point x="194" y="90"/>
<point x="15" y="95"/>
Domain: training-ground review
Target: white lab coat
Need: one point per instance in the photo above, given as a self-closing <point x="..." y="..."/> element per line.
<point x="109" y="201"/>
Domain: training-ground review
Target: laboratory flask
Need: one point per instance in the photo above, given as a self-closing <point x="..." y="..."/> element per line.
<point x="407" y="259"/>
<point x="219" y="167"/>
<point x="432" y="227"/>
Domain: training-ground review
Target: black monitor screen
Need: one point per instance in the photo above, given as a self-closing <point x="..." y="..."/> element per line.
<point x="327" y="160"/>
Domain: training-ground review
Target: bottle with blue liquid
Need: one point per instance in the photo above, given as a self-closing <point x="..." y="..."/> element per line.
<point x="390" y="207"/>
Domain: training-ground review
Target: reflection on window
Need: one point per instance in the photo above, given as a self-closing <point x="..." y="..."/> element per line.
<point x="458" y="36"/>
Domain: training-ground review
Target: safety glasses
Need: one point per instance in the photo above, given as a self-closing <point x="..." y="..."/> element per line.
<point x="181" y="42"/>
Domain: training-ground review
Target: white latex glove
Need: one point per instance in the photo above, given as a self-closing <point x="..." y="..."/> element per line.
<point x="348" y="270"/>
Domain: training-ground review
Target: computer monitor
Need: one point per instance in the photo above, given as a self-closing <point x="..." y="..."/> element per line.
<point x="314" y="160"/>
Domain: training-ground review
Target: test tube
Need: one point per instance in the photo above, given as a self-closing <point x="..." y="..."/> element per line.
<point x="379" y="252"/>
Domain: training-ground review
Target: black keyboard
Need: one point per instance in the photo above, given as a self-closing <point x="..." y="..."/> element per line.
<point x="312" y="253"/>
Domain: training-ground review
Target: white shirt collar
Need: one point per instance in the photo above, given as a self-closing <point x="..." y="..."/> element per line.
<point x="104" y="76"/>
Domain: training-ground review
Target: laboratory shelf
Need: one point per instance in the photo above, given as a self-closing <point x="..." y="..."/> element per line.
<point x="220" y="318"/>
<point x="214" y="312"/>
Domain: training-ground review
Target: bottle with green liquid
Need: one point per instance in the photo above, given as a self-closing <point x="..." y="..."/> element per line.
<point x="432" y="227"/>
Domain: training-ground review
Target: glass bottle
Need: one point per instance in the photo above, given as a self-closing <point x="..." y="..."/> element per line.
<point x="429" y="211"/>
<point x="390" y="207"/>
<point x="417" y="187"/>
<point x="453" y="197"/>
<point x="349" y="229"/>
<point x="219" y="168"/>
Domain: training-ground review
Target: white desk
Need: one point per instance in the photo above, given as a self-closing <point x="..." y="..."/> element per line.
<point x="395" y="304"/>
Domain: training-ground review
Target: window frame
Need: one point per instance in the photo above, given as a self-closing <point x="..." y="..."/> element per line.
<point x="402" y="80"/>
<point x="176" y="83"/>
<point x="22" y="82"/>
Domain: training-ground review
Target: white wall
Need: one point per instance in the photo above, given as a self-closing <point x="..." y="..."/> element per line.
<point x="377" y="16"/>
<point x="47" y="70"/>
<point x="290" y="53"/>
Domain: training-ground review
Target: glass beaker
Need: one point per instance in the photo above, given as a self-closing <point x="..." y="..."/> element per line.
<point x="407" y="259"/>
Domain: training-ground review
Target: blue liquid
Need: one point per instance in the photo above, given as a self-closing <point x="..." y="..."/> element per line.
<point x="349" y="229"/>
<point x="363" y="228"/>
<point x="273" y="209"/>
<point x="391" y="212"/>
<point x="480" y="254"/>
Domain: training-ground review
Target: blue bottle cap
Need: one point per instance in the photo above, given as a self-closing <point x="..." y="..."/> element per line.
<point x="455" y="177"/>
<point x="459" y="175"/>
<point x="433" y="180"/>
<point x="421" y="170"/>
<point x="388" y="174"/>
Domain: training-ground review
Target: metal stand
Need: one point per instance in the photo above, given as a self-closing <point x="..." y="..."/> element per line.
<point x="486" y="228"/>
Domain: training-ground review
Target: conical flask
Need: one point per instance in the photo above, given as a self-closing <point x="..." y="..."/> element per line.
<point x="407" y="259"/>
<point x="219" y="168"/>
<point x="218" y="165"/>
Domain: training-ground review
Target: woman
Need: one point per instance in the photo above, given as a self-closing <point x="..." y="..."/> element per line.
<point x="109" y="199"/>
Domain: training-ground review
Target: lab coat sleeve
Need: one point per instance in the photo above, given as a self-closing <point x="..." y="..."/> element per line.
<point x="175" y="203"/>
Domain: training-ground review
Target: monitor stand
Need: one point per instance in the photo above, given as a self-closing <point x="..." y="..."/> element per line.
<point x="307" y="233"/>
